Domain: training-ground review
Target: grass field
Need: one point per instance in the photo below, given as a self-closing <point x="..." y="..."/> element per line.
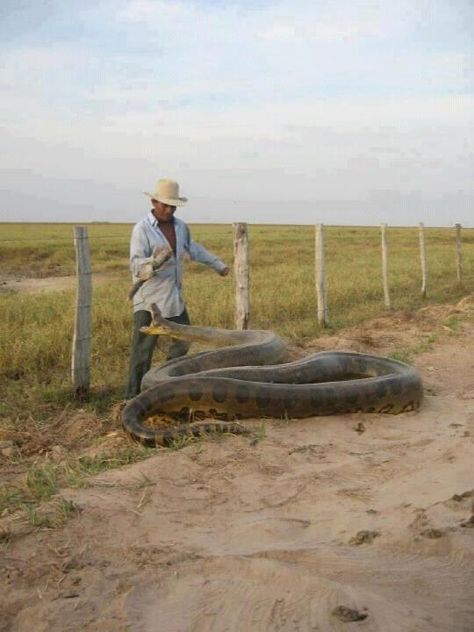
<point x="36" y="329"/>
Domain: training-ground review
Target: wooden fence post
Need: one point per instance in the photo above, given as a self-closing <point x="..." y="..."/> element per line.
<point x="458" y="253"/>
<point x="81" y="345"/>
<point x="385" y="266"/>
<point x="421" y="234"/>
<point x="321" y="293"/>
<point x="241" y="271"/>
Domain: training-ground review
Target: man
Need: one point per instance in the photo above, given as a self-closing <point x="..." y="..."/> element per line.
<point x="158" y="245"/>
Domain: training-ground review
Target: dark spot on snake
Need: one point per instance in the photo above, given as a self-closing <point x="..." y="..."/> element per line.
<point x="242" y="393"/>
<point x="324" y="400"/>
<point x="219" y="392"/>
<point x="178" y="371"/>
<point x="380" y="389"/>
<point x="262" y="399"/>
<point x="357" y="367"/>
<point x="289" y="402"/>
<point x="166" y="394"/>
<point x="316" y="398"/>
<point x="195" y="392"/>
<point x="396" y="387"/>
<point x="351" y="398"/>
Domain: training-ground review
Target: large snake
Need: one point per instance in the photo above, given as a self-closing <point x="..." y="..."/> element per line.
<point x="232" y="380"/>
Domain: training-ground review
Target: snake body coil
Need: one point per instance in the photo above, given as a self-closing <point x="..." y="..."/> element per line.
<point x="232" y="380"/>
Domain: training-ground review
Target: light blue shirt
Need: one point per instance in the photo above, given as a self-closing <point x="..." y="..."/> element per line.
<point x="165" y="287"/>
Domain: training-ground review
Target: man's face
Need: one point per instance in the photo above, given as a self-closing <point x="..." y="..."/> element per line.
<point x="163" y="212"/>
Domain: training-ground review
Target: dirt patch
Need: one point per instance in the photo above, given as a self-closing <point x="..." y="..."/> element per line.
<point x="47" y="284"/>
<point x="398" y="330"/>
<point x="322" y="524"/>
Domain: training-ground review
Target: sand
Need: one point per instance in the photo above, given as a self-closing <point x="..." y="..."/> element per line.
<point x="355" y="522"/>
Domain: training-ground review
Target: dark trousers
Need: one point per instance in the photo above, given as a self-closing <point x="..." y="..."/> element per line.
<point x="143" y="346"/>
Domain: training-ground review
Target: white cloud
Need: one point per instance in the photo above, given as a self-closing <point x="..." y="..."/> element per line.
<point x="30" y="62"/>
<point x="332" y="150"/>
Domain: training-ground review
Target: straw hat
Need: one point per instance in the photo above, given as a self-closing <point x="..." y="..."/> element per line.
<point x="167" y="191"/>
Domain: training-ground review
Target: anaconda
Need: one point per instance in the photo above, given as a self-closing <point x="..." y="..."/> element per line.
<point x="249" y="378"/>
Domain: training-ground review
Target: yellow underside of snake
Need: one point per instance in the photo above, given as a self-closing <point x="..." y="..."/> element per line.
<point x="247" y="377"/>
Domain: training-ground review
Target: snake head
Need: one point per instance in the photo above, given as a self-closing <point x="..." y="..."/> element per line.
<point x="153" y="330"/>
<point x="158" y="324"/>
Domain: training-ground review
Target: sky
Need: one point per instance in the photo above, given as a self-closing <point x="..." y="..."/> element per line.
<point x="297" y="111"/>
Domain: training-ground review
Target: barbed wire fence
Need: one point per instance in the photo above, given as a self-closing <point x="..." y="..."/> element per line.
<point x="82" y="335"/>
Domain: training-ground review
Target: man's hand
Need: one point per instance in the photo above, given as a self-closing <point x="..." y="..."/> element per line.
<point x="148" y="269"/>
<point x="225" y="271"/>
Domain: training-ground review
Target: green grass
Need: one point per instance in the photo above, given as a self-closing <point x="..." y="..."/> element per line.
<point x="76" y="472"/>
<point x="43" y="480"/>
<point x="51" y="518"/>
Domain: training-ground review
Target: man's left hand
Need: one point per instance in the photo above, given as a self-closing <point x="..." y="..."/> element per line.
<point x="225" y="271"/>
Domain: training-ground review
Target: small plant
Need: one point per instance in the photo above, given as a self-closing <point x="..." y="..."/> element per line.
<point x="53" y="515"/>
<point x="260" y="432"/>
<point x="76" y="472"/>
<point x="41" y="481"/>
<point x="11" y="498"/>
<point x="453" y="323"/>
<point x="402" y="355"/>
<point x="181" y="442"/>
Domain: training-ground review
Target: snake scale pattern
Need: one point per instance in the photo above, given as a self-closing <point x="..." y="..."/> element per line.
<point x="247" y="377"/>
